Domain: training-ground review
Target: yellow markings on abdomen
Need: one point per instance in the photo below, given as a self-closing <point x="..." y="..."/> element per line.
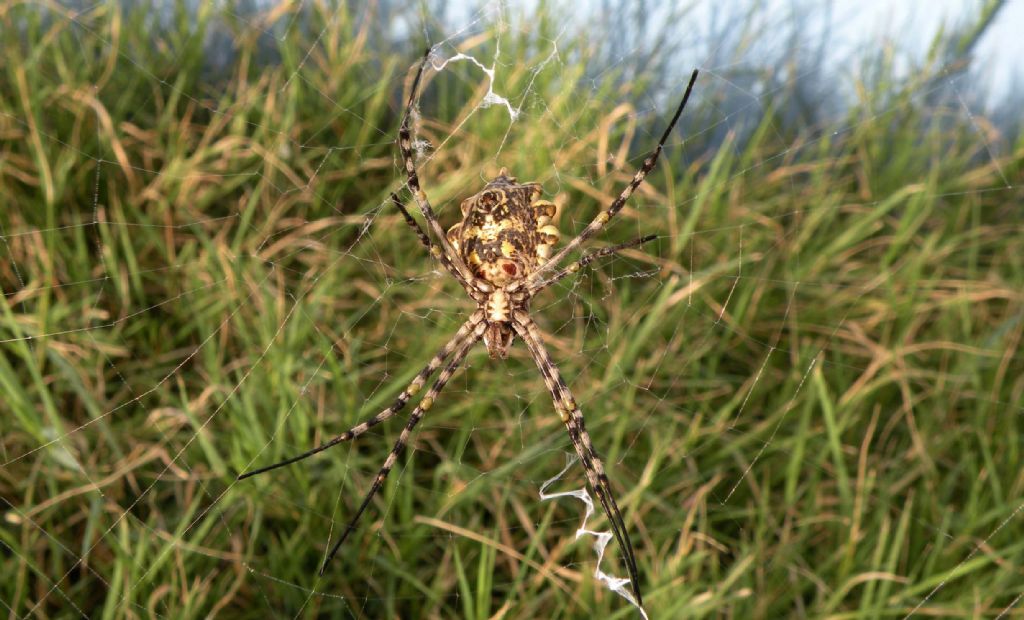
<point x="508" y="250"/>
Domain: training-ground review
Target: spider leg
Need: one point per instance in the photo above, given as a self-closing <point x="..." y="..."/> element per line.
<point x="586" y="260"/>
<point x="403" y="438"/>
<point x="571" y="416"/>
<point x="603" y="217"/>
<point x="405" y="146"/>
<point x="413" y="224"/>
<point x="461" y="339"/>
<point x="434" y="250"/>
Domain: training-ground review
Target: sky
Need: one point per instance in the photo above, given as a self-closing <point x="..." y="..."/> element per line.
<point x="913" y="22"/>
<point x="907" y="25"/>
<point x="855" y="25"/>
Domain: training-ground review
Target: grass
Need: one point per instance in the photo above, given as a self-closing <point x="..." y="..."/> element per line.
<point x="808" y="391"/>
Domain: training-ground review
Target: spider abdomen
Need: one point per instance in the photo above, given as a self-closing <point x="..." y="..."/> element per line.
<point x="505" y="231"/>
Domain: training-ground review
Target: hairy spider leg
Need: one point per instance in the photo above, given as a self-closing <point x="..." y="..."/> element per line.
<point x="459" y="340"/>
<point x="403" y="438"/>
<point x="411" y="221"/>
<point x="455" y="262"/>
<point x="586" y="260"/>
<point x="604" y="217"/>
<point x="571" y="416"/>
<point x="434" y="250"/>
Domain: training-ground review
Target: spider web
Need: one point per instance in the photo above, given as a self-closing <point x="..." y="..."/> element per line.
<point x="248" y="291"/>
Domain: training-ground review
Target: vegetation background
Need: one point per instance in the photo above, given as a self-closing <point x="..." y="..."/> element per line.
<point x="809" y="390"/>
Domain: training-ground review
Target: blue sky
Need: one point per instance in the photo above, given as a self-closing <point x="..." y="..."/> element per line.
<point x="907" y="26"/>
<point x="913" y="22"/>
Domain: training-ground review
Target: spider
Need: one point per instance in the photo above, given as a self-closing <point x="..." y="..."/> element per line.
<point x="501" y="254"/>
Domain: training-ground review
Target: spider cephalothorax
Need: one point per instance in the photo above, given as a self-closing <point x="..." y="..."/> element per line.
<point x="501" y="255"/>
